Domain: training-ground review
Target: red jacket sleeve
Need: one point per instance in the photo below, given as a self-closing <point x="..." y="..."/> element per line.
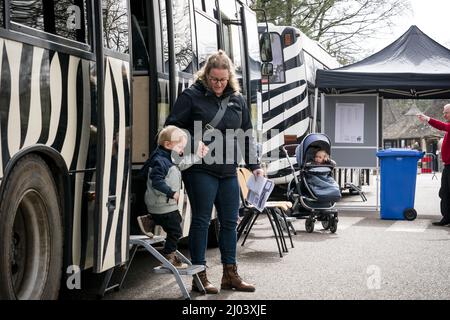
<point x="439" y="125"/>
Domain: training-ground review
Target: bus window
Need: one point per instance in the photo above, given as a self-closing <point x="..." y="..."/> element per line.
<point x="227" y="39"/>
<point x="228" y="8"/>
<point x="199" y="5"/>
<point x="165" y="40"/>
<point x="65" y="18"/>
<point x="253" y="43"/>
<point x="139" y="37"/>
<point x="206" y="38"/>
<point x="277" y="59"/>
<point x="140" y="52"/>
<point x="210" y="7"/>
<point x="115" y="25"/>
<point x="182" y="36"/>
<point x="28" y="13"/>
<point x="71" y="19"/>
<point x="231" y="35"/>
<point x="2" y="6"/>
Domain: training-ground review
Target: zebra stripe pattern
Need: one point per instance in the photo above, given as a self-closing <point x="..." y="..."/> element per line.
<point x="48" y="98"/>
<point x="114" y="219"/>
<point x="288" y="113"/>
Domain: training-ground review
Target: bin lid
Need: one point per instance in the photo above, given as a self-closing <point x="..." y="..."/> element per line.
<point x="396" y="152"/>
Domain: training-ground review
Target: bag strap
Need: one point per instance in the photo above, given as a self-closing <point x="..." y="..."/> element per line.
<point x="219" y="115"/>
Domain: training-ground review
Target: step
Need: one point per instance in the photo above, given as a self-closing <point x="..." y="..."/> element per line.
<point x="139" y="239"/>
<point x="189" y="271"/>
<point x="289" y="219"/>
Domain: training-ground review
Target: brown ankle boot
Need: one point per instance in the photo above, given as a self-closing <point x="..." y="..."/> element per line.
<point x="232" y="280"/>
<point x="175" y="261"/>
<point x="209" y="288"/>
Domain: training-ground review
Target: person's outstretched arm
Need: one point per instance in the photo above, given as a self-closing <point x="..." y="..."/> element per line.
<point x="435" y="123"/>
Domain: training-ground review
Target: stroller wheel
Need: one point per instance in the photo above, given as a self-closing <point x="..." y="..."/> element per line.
<point x="333" y="225"/>
<point x="326" y="224"/>
<point x="309" y="225"/>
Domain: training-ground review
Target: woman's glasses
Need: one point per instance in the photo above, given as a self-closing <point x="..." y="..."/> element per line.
<point x="216" y="81"/>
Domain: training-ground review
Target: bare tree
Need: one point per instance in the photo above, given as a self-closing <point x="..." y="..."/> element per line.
<point x="342" y="26"/>
<point x="115" y="25"/>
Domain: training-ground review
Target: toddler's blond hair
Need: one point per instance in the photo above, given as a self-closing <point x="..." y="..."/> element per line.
<point x="171" y="134"/>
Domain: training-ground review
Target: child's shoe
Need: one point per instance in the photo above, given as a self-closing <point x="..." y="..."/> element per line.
<point x="146" y="224"/>
<point x="175" y="261"/>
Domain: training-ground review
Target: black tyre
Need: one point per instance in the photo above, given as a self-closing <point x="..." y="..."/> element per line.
<point x="326" y="223"/>
<point x="309" y="225"/>
<point x="333" y="225"/>
<point x="213" y="233"/>
<point x="410" y="214"/>
<point x="31" y="233"/>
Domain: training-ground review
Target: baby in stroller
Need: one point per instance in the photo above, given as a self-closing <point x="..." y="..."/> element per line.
<point x="313" y="190"/>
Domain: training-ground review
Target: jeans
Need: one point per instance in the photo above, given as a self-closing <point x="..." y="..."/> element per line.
<point x="171" y="224"/>
<point x="204" y="191"/>
<point x="444" y="194"/>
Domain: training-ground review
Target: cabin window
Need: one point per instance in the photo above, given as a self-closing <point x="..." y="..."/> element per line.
<point x="277" y="61"/>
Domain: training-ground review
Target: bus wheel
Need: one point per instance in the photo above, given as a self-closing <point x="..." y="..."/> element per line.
<point x="31" y="234"/>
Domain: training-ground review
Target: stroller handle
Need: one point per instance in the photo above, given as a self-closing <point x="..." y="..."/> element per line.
<point x="283" y="147"/>
<point x="291" y="165"/>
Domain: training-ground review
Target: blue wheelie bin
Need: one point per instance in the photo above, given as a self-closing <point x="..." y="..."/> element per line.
<point x="398" y="183"/>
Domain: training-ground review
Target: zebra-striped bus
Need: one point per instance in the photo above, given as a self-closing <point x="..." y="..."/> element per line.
<point x="84" y="87"/>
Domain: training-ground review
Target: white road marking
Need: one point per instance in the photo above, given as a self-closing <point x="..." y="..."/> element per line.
<point x="410" y="226"/>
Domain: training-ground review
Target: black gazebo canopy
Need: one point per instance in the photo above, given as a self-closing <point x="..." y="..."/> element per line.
<point x="413" y="67"/>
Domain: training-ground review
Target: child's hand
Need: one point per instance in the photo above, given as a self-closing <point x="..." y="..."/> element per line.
<point x="202" y="150"/>
<point x="176" y="196"/>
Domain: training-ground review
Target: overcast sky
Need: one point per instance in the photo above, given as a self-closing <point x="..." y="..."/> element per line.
<point x="431" y="16"/>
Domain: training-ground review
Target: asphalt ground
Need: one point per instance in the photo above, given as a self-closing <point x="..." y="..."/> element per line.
<point x="367" y="259"/>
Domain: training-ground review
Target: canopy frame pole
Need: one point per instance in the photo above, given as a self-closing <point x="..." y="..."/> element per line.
<point x="316" y="98"/>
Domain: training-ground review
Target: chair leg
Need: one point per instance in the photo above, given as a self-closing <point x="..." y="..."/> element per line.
<point x="274" y="230"/>
<point x="292" y="228"/>
<point x="280" y="229"/>
<point x="283" y="216"/>
<point x="251" y="226"/>
<point x="244" y="224"/>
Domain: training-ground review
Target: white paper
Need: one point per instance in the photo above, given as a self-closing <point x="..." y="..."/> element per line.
<point x="259" y="191"/>
<point x="349" y="123"/>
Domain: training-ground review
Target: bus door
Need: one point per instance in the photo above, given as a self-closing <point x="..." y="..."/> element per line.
<point x="111" y="232"/>
<point x="145" y="99"/>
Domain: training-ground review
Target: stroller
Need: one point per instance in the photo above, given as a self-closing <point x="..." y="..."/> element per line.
<point x="313" y="191"/>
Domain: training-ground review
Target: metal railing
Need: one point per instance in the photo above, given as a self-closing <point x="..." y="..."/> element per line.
<point x="432" y="163"/>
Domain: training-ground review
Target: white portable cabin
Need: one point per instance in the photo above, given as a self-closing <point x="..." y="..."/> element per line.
<point x="287" y="95"/>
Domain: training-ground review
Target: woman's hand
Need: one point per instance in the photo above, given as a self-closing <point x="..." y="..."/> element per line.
<point x="258" y="173"/>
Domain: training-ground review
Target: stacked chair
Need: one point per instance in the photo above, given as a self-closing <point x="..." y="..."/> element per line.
<point x="274" y="210"/>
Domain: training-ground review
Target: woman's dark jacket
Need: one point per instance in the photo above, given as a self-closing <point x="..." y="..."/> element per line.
<point x="199" y="103"/>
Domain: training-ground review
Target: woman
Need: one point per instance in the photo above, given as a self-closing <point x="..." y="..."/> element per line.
<point x="214" y="182"/>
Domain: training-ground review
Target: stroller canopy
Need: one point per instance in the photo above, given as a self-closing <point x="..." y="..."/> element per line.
<point x="310" y="145"/>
